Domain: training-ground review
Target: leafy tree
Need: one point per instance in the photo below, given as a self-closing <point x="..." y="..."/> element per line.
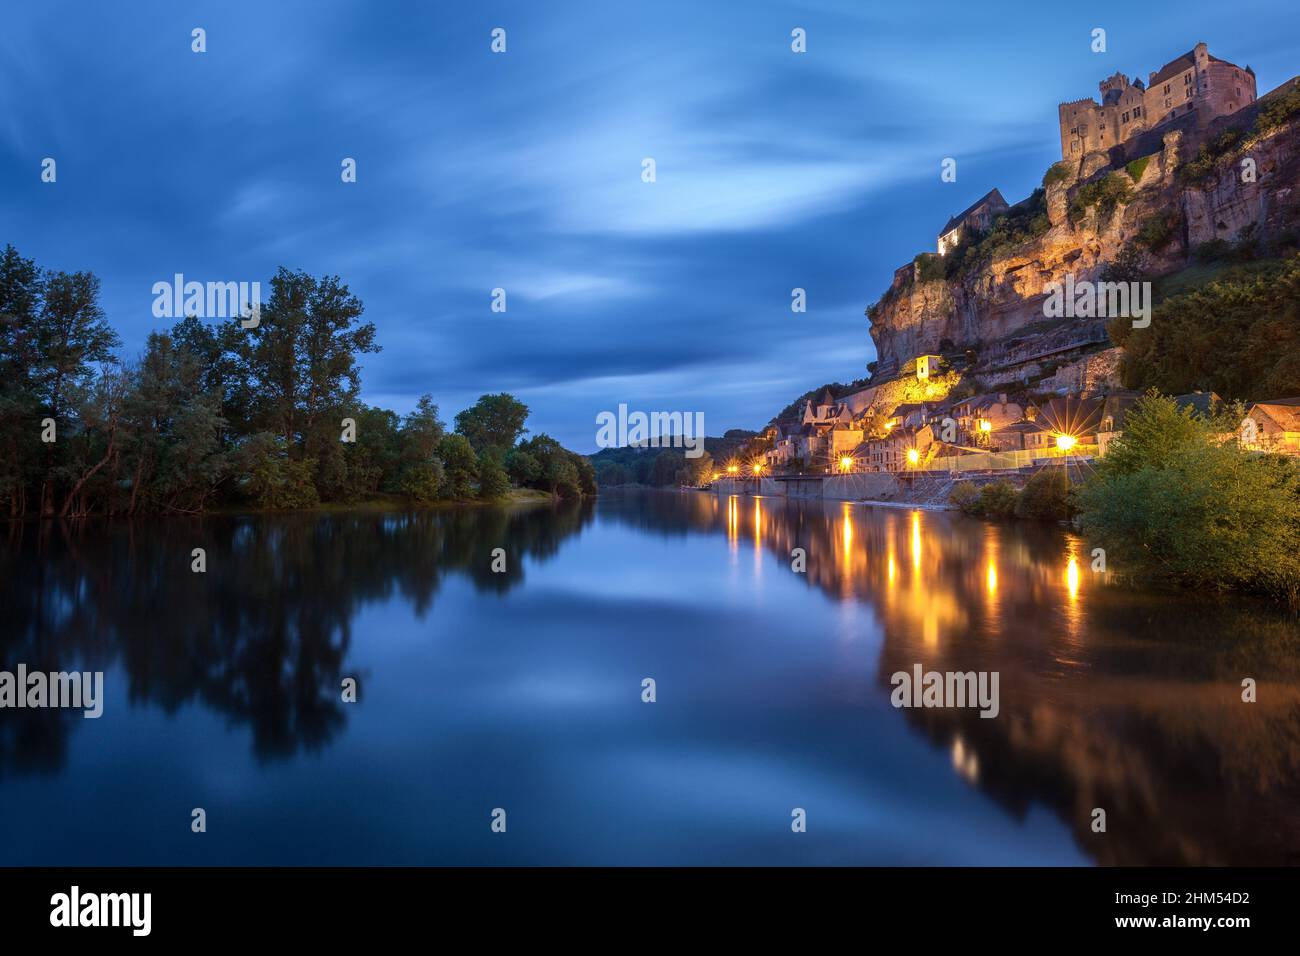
<point x="460" y="465"/>
<point x="298" y="366"/>
<point x="493" y="482"/>
<point x="270" y="478"/>
<point x="1238" y="335"/>
<point x="1173" y="500"/>
<point x="522" y="467"/>
<point x="1046" y="496"/>
<point x="493" y="422"/>
<point x="423" y="482"/>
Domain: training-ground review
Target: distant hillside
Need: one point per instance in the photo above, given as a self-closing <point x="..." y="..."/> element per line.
<point x="662" y="467"/>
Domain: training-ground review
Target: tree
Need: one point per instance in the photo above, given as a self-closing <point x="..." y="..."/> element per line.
<point x="493" y="422"/>
<point x="493" y="482"/>
<point x="460" y="466"/>
<point x="522" y="467"/>
<point x="70" y="336"/>
<point x="1176" y="499"/>
<point x="298" y="367"/>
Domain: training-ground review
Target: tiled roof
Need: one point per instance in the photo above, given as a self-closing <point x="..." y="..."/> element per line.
<point x="956" y="220"/>
<point x="1174" y="67"/>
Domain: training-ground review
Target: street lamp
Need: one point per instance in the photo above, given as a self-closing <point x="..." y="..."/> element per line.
<point x="1065" y="442"/>
<point x="913" y="457"/>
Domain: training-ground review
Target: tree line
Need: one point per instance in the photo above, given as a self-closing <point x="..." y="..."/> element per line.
<point x="217" y="414"/>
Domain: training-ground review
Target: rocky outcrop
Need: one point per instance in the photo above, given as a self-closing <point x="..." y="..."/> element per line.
<point x="995" y="308"/>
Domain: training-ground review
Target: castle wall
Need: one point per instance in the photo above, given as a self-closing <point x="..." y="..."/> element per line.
<point x="1206" y="89"/>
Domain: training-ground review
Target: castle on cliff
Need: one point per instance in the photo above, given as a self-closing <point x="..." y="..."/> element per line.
<point x="1195" y="81"/>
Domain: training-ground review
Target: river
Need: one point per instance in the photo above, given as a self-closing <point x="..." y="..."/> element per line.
<point x="521" y="690"/>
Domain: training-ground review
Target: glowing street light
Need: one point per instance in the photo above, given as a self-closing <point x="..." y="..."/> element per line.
<point x="986" y="425"/>
<point x="913" y="456"/>
<point x="758" y="467"/>
<point x="1065" y="442"/>
<point x="732" y="469"/>
<point x="846" y="463"/>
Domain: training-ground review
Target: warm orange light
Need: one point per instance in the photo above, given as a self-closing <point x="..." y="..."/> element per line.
<point x="758" y="467"/>
<point x="1072" y="578"/>
<point x="846" y="463"/>
<point x="716" y="476"/>
<point x="913" y="456"/>
<point x="986" y="425"/>
<point x="1065" y="442"/>
<point x="732" y="469"/>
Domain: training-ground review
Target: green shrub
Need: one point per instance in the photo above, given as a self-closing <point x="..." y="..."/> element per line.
<point x="1277" y="111"/>
<point x="929" y="267"/>
<point x="1201" y="167"/>
<point x="422" y="482"/>
<point x="493" y="482"/>
<point x="1106" y="194"/>
<point x="1158" y="231"/>
<point x="1237" y="334"/>
<point x="998" y="500"/>
<point x="459" y="464"/>
<point x="1046" y="496"/>
<point x="271" y="479"/>
<point x="1136" y="168"/>
<point x="966" y="497"/>
<point x="1172" y="501"/>
<point x="1056" y="173"/>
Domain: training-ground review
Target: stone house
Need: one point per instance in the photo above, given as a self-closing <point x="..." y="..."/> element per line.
<point x="978" y="217"/>
<point x="1272" y="426"/>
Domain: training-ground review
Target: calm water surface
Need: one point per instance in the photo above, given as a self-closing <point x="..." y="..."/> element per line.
<point x="523" y="691"/>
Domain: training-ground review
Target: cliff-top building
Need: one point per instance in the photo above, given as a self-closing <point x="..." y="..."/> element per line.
<point x="1195" y="81"/>
<point x="978" y="216"/>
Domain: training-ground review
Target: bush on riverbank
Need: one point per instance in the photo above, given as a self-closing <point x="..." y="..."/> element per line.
<point x="1178" y="500"/>
<point x="1046" y="496"/>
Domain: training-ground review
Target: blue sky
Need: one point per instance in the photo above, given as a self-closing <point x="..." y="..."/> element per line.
<point x="523" y="171"/>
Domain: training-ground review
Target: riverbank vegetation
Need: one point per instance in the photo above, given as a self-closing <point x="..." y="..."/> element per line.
<point x="1176" y="498"/>
<point x="1046" y="496"/>
<point x="214" y="414"/>
<point x="1176" y="501"/>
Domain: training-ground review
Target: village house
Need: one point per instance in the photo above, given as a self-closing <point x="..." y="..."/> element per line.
<point x="980" y="415"/>
<point x="1011" y="437"/>
<point x="1272" y="426"/>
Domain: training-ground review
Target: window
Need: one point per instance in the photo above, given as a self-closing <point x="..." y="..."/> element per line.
<point x="1187" y="78"/>
<point x="1137" y="111"/>
<point x="1166" y="87"/>
<point x="1124" y="118"/>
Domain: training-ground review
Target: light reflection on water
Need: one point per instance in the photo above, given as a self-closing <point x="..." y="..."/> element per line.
<point x="522" y="690"/>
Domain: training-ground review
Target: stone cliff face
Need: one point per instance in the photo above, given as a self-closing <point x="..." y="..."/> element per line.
<point x="996" y="308"/>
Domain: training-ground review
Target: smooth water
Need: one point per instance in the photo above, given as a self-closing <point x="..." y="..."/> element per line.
<point x="523" y="691"/>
